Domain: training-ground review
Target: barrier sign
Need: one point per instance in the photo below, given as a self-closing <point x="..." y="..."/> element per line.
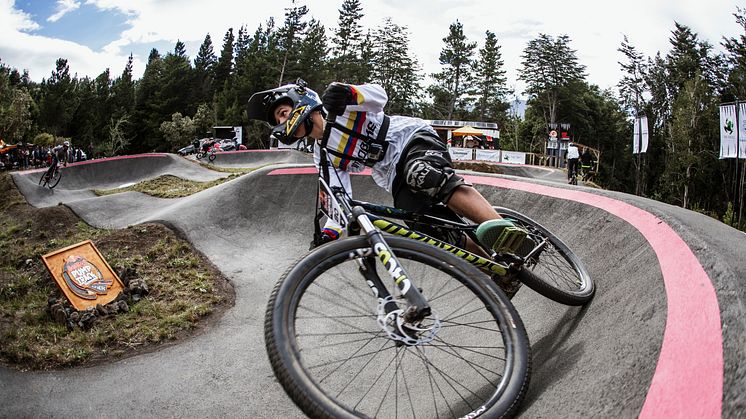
<point x="461" y="153"/>
<point x="83" y="275"/>
<point x="488" y="155"/>
<point x="515" y="157"/>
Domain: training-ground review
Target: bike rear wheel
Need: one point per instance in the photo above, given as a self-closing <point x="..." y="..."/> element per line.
<point x="43" y="179"/>
<point x="557" y="272"/>
<point x="55" y="179"/>
<point x="334" y="359"/>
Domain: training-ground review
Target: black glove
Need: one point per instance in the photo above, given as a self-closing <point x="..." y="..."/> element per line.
<point x="336" y="97"/>
<point x="323" y="238"/>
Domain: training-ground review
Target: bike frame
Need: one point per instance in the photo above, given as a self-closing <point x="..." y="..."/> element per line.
<point x="337" y="206"/>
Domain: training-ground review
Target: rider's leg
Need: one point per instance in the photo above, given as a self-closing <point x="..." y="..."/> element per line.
<point x="425" y="169"/>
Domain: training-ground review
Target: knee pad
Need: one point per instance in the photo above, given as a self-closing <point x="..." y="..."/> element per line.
<point x="433" y="182"/>
<point x="423" y="178"/>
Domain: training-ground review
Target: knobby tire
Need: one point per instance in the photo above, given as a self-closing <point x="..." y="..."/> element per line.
<point x="333" y="359"/>
<point x="557" y="273"/>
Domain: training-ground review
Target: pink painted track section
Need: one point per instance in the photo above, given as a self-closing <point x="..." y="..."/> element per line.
<point x="688" y="380"/>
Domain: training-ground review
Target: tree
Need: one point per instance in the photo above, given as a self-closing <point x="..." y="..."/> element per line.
<point x="548" y="66"/>
<point x="490" y="82"/>
<point x="117" y="139"/>
<point x="455" y="78"/>
<point x="177" y="83"/>
<point x="346" y="63"/>
<point x="312" y="52"/>
<point x="178" y="131"/>
<point x="15" y="119"/>
<point x="58" y="101"/>
<point x="147" y="115"/>
<point x="289" y="37"/>
<point x="224" y="66"/>
<point x="204" y="71"/>
<point x="394" y="69"/>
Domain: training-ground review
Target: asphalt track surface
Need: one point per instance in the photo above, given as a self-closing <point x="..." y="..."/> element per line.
<point x="665" y="335"/>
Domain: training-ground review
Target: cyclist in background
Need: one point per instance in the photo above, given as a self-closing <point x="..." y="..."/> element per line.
<point x="406" y="155"/>
<point x="60" y="153"/>
<point x="572" y="161"/>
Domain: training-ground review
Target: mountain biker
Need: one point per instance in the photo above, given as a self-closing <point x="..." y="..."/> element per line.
<point x="59" y="153"/>
<point x="572" y="160"/>
<point x="406" y="155"/>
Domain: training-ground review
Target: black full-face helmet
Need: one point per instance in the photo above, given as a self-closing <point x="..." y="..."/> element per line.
<point x="303" y="100"/>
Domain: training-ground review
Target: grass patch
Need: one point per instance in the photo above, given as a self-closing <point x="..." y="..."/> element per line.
<point x="168" y="186"/>
<point x="185" y="288"/>
<point x="238" y="170"/>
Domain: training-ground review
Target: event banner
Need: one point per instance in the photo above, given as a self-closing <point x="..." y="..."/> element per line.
<point x="640" y="137"/>
<point x="461" y="153"/>
<point x="742" y="130"/>
<point x="515" y="157"/>
<point x="488" y="155"/>
<point x="728" y="132"/>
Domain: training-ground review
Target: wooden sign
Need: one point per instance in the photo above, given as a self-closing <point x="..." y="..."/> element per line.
<point x="83" y="275"/>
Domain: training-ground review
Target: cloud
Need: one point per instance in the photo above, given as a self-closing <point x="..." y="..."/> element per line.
<point x="12" y="20"/>
<point x="63" y="7"/>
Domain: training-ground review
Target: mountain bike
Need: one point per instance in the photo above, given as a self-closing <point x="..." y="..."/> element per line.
<point x="209" y="153"/>
<point x="376" y="325"/>
<point x="51" y="177"/>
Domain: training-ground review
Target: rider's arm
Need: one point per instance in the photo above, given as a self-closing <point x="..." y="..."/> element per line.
<point x="340" y="98"/>
<point x="337" y="178"/>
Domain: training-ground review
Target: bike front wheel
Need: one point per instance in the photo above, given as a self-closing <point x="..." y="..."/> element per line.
<point x="555" y="272"/>
<point x="335" y="358"/>
<point x="211" y="157"/>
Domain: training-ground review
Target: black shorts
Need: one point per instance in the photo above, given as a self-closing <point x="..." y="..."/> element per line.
<point x="428" y="149"/>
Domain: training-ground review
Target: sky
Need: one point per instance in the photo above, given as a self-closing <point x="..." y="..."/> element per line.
<point x="97" y="34"/>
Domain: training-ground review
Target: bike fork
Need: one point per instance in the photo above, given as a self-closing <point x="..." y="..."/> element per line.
<point x="418" y="305"/>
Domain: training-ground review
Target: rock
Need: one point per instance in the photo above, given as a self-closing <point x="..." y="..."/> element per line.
<point x="58" y="313"/>
<point x="87" y="320"/>
<point x="123" y="307"/>
<point x="138" y="289"/>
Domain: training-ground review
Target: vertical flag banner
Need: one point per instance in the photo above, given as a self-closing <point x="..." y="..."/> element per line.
<point x="742" y="130"/>
<point x="728" y="133"/>
<point x="640" y="140"/>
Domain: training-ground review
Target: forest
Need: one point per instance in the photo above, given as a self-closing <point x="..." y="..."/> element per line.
<point x="179" y="98"/>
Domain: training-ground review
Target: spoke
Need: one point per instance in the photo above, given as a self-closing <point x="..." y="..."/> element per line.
<point x="472" y="364"/>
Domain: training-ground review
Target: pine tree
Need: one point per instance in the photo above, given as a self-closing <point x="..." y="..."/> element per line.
<point x="58" y="101"/>
<point x="204" y="71"/>
<point x="453" y="82"/>
<point x="348" y="39"/>
<point x="490" y="82"/>
<point x="394" y="69"/>
<point x="146" y="119"/>
<point x="289" y="37"/>
<point x="224" y="66"/>
<point x="312" y="61"/>
<point x="548" y="66"/>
